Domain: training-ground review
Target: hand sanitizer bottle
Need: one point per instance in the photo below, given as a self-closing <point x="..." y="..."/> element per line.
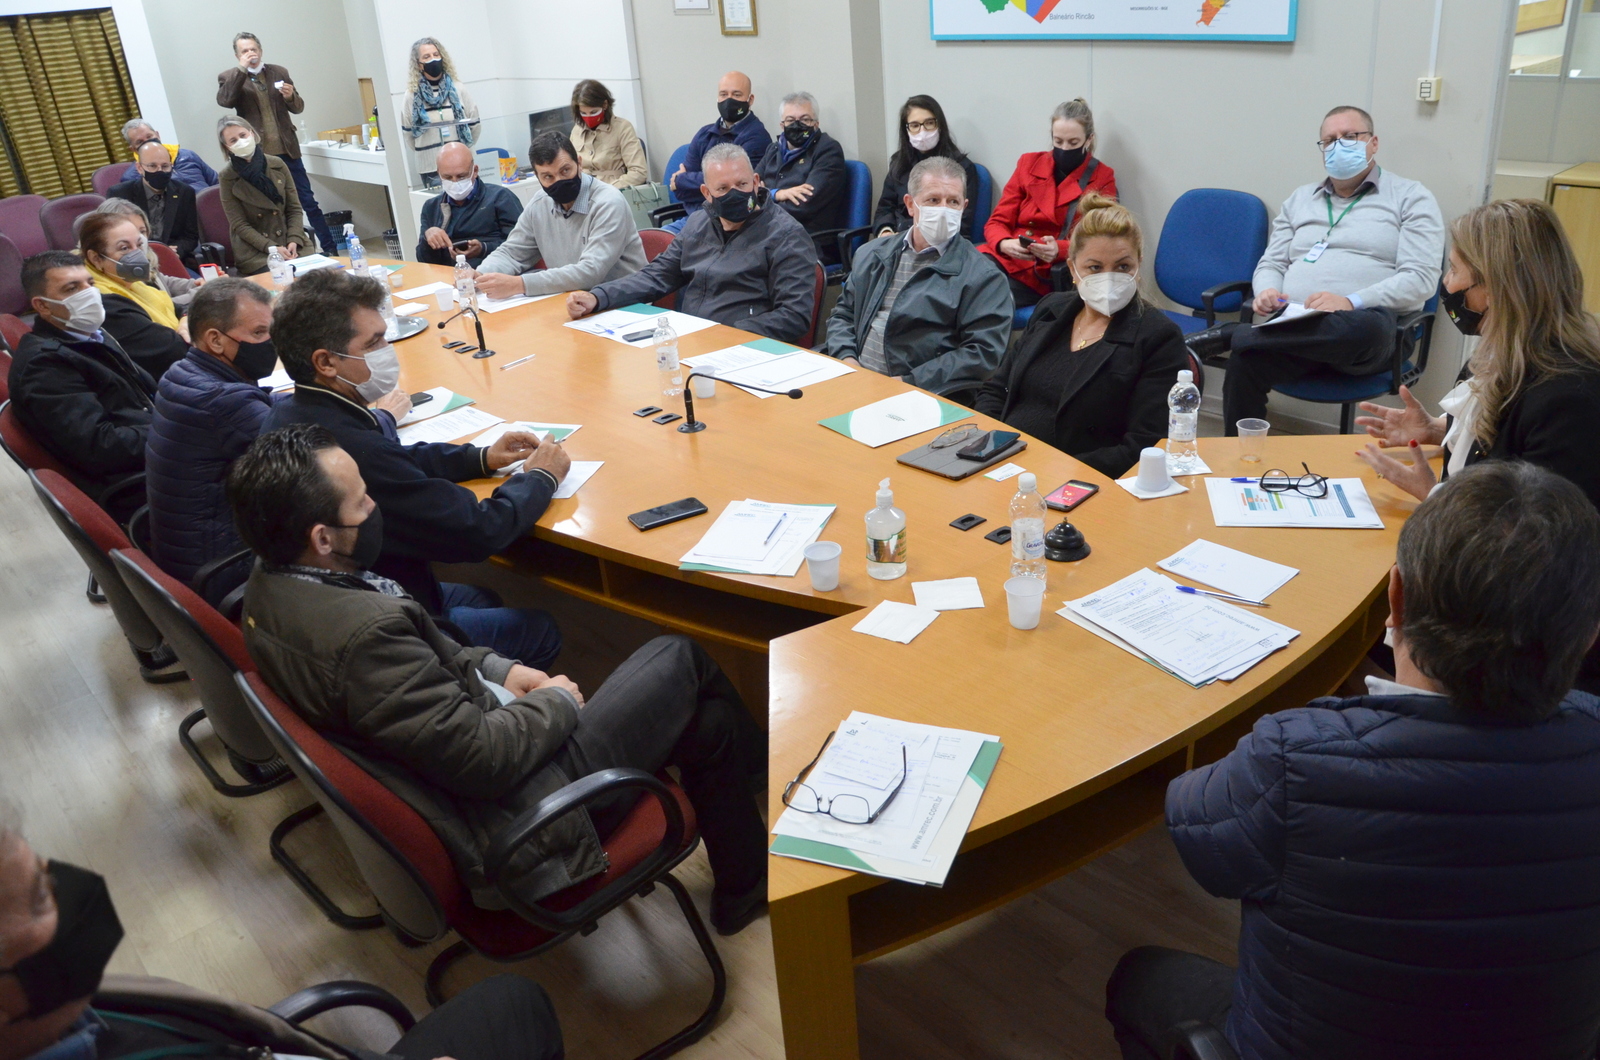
<point x="886" y="537"/>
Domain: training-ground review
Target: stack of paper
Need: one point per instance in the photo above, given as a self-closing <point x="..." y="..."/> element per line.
<point x="895" y="418"/>
<point x="916" y="838"/>
<point x="444" y="400"/>
<point x="307" y="262"/>
<point x="494" y="305"/>
<point x="466" y="420"/>
<point x="769" y="363"/>
<point x="1247" y="504"/>
<point x="1228" y="569"/>
<point x="1197" y="639"/>
<point x="631" y="320"/>
<point x="757" y="537"/>
<point x="552" y="432"/>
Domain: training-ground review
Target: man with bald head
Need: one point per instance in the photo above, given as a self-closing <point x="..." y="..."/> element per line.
<point x="469" y="217"/>
<point x="736" y="124"/>
<point x="168" y="203"/>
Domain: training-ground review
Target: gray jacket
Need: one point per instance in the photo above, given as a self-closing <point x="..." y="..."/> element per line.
<point x="594" y="243"/>
<point x="374" y="675"/>
<point x="949" y="326"/>
<point x="762" y="279"/>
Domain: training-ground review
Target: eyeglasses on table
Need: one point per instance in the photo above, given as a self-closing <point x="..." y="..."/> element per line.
<point x="1308" y="485"/>
<point x="847" y="808"/>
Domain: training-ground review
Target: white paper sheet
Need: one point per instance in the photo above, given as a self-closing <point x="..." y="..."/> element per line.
<point x="745" y="534"/>
<point x="803" y="525"/>
<point x="410" y="309"/>
<point x="307" y="262"/>
<point x="580" y="472"/>
<point x="616" y="323"/>
<point x="559" y="432"/>
<point x="895" y="621"/>
<point x="787" y="371"/>
<point x="895" y="418"/>
<point x="866" y="756"/>
<point x="1131" y="484"/>
<point x="950" y="594"/>
<point x="278" y="380"/>
<point x="1228" y="569"/>
<point x="495" y="305"/>
<point x="1346" y="506"/>
<point x="1005" y="471"/>
<point x="1291" y="312"/>
<point x="1200" y="467"/>
<point x="447" y="428"/>
<point x="442" y="396"/>
<point x="426" y="289"/>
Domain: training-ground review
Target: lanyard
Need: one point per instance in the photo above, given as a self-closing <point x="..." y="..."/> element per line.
<point x="1332" y="224"/>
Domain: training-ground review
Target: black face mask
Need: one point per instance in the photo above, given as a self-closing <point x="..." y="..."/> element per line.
<point x="737" y="206"/>
<point x="255" y="359"/>
<point x="1467" y="321"/>
<point x="434" y="68"/>
<point x="1067" y="161"/>
<point x="566" y="191"/>
<point x="733" y="110"/>
<point x="159" y="179"/>
<point x="369" y="540"/>
<point x="797" y="134"/>
<point x="87" y="933"/>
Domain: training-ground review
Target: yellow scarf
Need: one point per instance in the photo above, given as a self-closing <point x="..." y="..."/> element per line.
<point x="156" y="303"/>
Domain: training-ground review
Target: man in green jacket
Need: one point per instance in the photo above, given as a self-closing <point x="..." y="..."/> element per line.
<point x="925" y="305"/>
<point x="468" y="738"/>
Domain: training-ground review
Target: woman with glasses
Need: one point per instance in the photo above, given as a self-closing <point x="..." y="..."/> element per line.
<point x="1037" y="210"/>
<point x="804" y="167"/>
<point x="139" y="315"/>
<point x="1090" y="374"/>
<point x="923" y="133"/>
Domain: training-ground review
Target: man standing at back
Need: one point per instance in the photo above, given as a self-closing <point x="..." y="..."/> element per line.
<point x="1419" y="867"/>
<point x="736" y="124"/>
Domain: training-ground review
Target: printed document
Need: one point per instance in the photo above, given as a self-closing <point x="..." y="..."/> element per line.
<point x="630" y="320"/>
<point x="758" y="537"/>
<point x="469" y="419"/>
<point x="1291" y="312"/>
<point x="1346" y="506"/>
<point x="1228" y="569"/>
<point x="768" y="363"/>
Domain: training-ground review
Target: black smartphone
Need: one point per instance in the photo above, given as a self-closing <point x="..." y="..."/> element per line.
<point x="637" y="335"/>
<point x="648" y="410"/>
<point x="1071" y="494"/>
<point x="422" y="397"/>
<point x="651" y="518"/>
<point x="666" y="417"/>
<point x="461" y="244"/>
<point x="1025" y="242"/>
<point x="991" y="443"/>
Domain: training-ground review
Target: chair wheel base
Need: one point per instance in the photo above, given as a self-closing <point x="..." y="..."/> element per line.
<point x="348" y="921"/>
<point x="159" y="666"/>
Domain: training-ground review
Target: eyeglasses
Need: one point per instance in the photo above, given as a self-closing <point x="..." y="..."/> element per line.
<point x="931" y="125"/>
<point x="1307" y="485"/>
<point x="847" y="808"/>
<point x="805" y="119"/>
<point x="1352" y="138"/>
<point x="956" y="435"/>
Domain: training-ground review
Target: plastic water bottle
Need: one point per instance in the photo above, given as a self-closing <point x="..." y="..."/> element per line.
<point x="666" y="340"/>
<point x="281" y="274"/>
<point x="381" y="274"/>
<point x="358" y="253"/>
<point x="1183" y="414"/>
<point x="1027" y="529"/>
<point x="886" y="537"/>
<point x="466" y="287"/>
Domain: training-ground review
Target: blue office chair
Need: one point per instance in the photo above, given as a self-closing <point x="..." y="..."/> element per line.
<point x="983" y="203"/>
<point x="1210" y="244"/>
<point x="844" y="242"/>
<point x="675" y="210"/>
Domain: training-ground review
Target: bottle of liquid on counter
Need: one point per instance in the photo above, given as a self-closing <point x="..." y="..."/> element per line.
<point x="1027" y="529"/>
<point x="1183" y="416"/>
<point x="886" y="537"/>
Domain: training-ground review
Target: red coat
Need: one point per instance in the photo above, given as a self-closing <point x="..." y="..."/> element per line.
<point x="1034" y="205"/>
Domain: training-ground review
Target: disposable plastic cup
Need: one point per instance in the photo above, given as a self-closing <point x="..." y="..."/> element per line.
<point x="1024" y="601"/>
<point x="703" y="387"/>
<point x="445" y="299"/>
<point x="1251" y="432"/>
<point x="822" y="563"/>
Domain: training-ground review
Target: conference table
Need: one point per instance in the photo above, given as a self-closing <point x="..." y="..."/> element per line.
<point x="1091" y="733"/>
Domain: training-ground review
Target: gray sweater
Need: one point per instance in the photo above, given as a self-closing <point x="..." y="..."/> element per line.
<point x="596" y="242"/>
<point x="1386" y="252"/>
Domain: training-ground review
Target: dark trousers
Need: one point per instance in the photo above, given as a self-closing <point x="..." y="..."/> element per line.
<point x="505" y="1017"/>
<point x="1358" y="342"/>
<point x="529" y="636"/>
<point x="1153" y="989"/>
<point x="670" y="704"/>
<point x="308" y="203"/>
<point x="1022" y="296"/>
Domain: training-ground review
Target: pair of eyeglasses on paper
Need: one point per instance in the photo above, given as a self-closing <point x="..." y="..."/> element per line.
<point x="1308" y="485"/>
<point x="956" y="435"/>
<point x="848" y="808"/>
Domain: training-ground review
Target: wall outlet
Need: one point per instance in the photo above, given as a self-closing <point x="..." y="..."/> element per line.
<point x="1428" y="89"/>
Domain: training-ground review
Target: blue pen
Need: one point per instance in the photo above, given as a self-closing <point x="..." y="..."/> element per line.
<point x="1192" y="591"/>
<point x="1241" y="480"/>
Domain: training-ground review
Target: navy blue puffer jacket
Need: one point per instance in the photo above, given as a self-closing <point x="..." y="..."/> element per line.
<point x="1414" y="884"/>
<point x="206" y="417"/>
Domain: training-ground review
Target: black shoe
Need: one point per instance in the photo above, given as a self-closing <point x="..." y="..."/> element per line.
<point x="1212" y="342"/>
<point x="257" y="772"/>
<point x="731" y="914"/>
<point x="160" y="667"/>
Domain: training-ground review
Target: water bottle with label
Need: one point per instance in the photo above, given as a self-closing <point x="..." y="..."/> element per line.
<point x="466" y="287"/>
<point x="358" y="253"/>
<point x="1027" y="529"/>
<point x="1183" y="415"/>
<point x="671" y="372"/>
<point x="886" y="537"/>
<point x="279" y="268"/>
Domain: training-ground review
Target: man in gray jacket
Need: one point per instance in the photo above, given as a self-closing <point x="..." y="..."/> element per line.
<point x="580" y="226"/>
<point x="740" y="261"/>
<point x="468" y="738"/>
<point x="925" y="305"/>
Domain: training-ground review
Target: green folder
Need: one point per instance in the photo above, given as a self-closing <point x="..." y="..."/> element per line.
<point x="948" y="413"/>
<point x="642" y="309"/>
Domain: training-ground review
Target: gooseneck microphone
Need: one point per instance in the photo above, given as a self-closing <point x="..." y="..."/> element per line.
<point x="690" y="425"/>
<point x="477" y="322"/>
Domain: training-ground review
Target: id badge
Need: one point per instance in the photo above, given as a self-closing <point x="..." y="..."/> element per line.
<point x="1316" y="250"/>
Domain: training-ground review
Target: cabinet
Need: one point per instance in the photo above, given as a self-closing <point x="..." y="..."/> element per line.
<point x="1575" y="195"/>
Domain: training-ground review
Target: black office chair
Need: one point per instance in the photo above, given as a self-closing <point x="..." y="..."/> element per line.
<point x="1201" y="1041"/>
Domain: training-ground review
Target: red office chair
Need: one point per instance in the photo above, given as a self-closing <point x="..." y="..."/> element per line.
<point x="655" y="240"/>
<point x="57" y="215"/>
<point x="169" y="262"/>
<point x="107" y="176"/>
<point x="12" y="297"/>
<point x="19" y="220"/>
<point x="22" y="447"/>
<point x="5" y="375"/>
<point x="12" y="329"/>
<point x="810" y="336"/>
<point x="214" y="227"/>
<point x="211" y="650"/>
<point x="419" y="893"/>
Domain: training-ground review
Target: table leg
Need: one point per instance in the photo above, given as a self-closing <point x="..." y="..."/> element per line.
<point x="816" y="976"/>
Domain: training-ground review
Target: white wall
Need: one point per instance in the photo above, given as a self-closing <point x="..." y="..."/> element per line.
<point x="1550" y="119"/>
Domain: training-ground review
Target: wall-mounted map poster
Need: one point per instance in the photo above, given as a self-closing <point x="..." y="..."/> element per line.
<point x="1187" y="20"/>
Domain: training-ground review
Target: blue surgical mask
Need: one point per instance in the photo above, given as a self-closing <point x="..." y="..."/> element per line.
<point x="1345" y="158"/>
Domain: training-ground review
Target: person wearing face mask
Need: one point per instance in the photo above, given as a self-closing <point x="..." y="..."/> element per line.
<point x="468" y="211"/>
<point x="579" y="225"/>
<point x="74" y="387"/>
<point x="925" y="306"/>
<point x="1091" y="372"/>
<point x="180" y="289"/>
<point x="924" y="133"/>
<point x="330" y="337"/>
<point x="259" y="199"/>
<point x="1361" y="247"/>
<point x="608" y="147"/>
<point x="1040" y="204"/>
<point x="209" y="408"/>
<point x="804" y="169"/>
<point x="736" y="124"/>
<point x="740" y="261"/>
<point x="168" y="204"/>
<point x="187" y="167"/>
<point x="434" y="95"/>
<point x="138" y="313"/>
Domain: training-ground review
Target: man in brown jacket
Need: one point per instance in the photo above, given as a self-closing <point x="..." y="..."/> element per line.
<point x="264" y="95"/>
<point x="470" y="739"/>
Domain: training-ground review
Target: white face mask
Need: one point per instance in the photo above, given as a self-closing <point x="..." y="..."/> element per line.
<point x="385" y="368"/>
<point x="925" y="140"/>
<point x="85" y="311"/>
<point x="1107" y="292"/>
<point x="244" y="146"/>
<point x="938" y="223"/>
<point x="457" y="189"/>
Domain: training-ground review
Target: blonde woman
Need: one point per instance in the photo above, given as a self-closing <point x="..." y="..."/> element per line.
<point x="139" y="316"/>
<point x="608" y="147"/>
<point x="259" y="199"/>
<point x="1091" y="373"/>
<point x="433" y="95"/>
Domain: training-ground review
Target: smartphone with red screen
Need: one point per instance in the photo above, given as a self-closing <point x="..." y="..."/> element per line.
<point x="1071" y="494"/>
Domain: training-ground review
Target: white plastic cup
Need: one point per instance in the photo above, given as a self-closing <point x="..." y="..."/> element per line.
<point x="1024" y="601"/>
<point x="1251" y="432"/>
<point x="703" y="387"/>
<point x="445" y="299"/>
<point x="1153" y="476"/>
<point x="822" y="563"/>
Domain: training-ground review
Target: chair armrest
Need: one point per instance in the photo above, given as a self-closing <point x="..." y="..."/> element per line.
<point x="577" y="794"/>
<point x="201" y="581"/>
<point x="670" y="212"/>
<point x="138" y="528"/>
<point x="342" y="993"/>
<point x="133" y="484"/>
<point x="1403" y="345"/>
<point x="842" y="238"/>
<point x="211" y="254"/>
<point x="1209" y="296"/>
<point x="1201" y="1041"/>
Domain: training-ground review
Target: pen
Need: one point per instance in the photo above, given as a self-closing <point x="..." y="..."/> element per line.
<point x="778" y="526"/>
<point x="519" y="360"/>
<point x="1241" y="480"/>
<point x="1221" y="596"/>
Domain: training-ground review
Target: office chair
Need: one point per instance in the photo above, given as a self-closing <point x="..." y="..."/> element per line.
<point x="214" y="227"/>
<point x="19" y="221"/>
<point x="675" y="209"/>
<point x="810" y="337"/>
<point x="107" y="177"/>
<point x="842" y="243"/>
<point x="1210" y="244"/>
<point x="168" y="262"/>
<point x="983" y="199"/>
<point x="13" y="300"/>
<point x="655" y="241"/>
<point x="57" y="215"/>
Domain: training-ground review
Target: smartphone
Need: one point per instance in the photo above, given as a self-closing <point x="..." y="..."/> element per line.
<point x="987" y="446"/>
<point x="1026" y="242"/>
<point x="1071" y="494"/>
<point x="651" y="518"/>
<point x="461" y="244"/>
<point x="421" y="397"/>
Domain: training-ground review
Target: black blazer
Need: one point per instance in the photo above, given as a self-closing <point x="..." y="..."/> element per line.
<point x="1115" y="400"/>
<point x="153" y="347"/>
<point x="180" y="218"/>
<point x="822" y="166"/>
<point x="1547" y="423"/>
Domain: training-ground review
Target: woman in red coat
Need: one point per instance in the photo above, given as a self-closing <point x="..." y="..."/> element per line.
<point x="1037" y="207"/>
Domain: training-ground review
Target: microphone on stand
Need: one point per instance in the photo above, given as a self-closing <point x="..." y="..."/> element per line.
<point x="690" y="425"/>
<point x="483" y="350"/>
